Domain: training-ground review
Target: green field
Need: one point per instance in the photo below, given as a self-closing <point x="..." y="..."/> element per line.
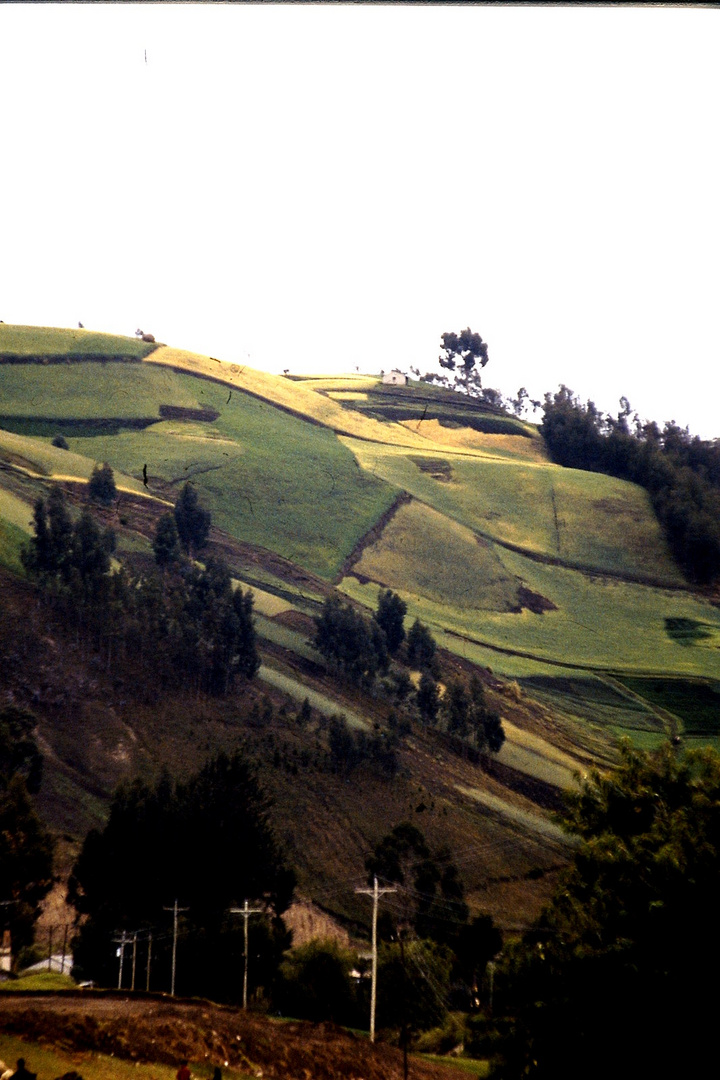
<point x="598" y="624"/>
<point x="492" y="527"/>
<point x="90" y="390"/>
<point x="264" y="475"/>
<point x="427" y="554"/>
<point x="40" y="457"/>
<point x="31" y="342"/>
<point x="577" y="518"/>
<point x="12" y="540"/>
<point x="48" y="1062"/>
<point x="695" y="703"/>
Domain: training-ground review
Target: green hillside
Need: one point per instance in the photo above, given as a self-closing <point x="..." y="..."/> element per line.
<point x="556" y="584"/>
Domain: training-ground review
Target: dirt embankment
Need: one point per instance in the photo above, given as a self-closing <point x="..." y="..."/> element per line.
<point x="162" y="1030"/>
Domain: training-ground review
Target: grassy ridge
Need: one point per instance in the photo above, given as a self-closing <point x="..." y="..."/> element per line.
<point x="88" y="391"/>
<point x="293" y="396"/>
<point x="274" y="473"/>
<point x="45" y="342"/>
<point x="39" y="457"/>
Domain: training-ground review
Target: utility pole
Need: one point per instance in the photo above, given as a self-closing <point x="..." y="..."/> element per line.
<point x="64" y="952"/>
<point x="376" y="892"/>
<point x="134" y="958"/>
<point x="175" y="909"/>
<point x="122" y="941"/>
<point x="405" y="1033"/>
<point x="147" y="980"/>
<point x="246" y="912"/>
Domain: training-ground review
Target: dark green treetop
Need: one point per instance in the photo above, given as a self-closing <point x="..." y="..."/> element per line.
<point x="101" y="486"/>
<point x="192" y="521"/>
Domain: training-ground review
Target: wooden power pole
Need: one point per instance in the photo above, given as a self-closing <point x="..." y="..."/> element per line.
<point x="376" y="892"/>
<point x="246" y="912"/>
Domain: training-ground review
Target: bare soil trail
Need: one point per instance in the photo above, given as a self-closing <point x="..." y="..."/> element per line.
<point x="149" y="1028"/>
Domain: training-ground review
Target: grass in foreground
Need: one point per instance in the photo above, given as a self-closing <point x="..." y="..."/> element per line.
<point x="41" y="980"/>
<point x="480" y="1069"/>
<point x="49" y="1063"/>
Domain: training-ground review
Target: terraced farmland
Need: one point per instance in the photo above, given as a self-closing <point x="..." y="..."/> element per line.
<point x="517" y="564"/>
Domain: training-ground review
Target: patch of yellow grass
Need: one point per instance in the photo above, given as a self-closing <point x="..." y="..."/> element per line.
<point x="266" y="603"/>
<point x="467" y="438"/>
<point x="342" y="382"/>
<point x="426" y="553"/>
<point x="16" y="511"/>
<point x="288" y="395"/>
<point x="347" y="395"/>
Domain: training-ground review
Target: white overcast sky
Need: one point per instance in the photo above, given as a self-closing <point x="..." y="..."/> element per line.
<point x="321" y="187"/>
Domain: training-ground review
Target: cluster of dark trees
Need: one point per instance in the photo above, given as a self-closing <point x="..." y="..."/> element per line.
<point x="362" y="648"/>
<point x="617" y="979"/>
<point x="680" y="472"/>
<point x="465" y="714"/>
<point x="26" y="848"/>
<point x="178" y="624"/>
<point x="205" y="843"/>
<point x="355" y="646"/>
<point x="349" y="748"/>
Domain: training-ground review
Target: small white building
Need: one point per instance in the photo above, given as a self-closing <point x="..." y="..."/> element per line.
<point x="395" y="378"/>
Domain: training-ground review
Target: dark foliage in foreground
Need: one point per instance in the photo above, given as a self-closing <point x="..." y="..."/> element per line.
<point x="26" y="863"/>
<point x="206" y="843"/>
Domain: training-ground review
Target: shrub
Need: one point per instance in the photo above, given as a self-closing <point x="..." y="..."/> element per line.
<point x="101" y="487"/>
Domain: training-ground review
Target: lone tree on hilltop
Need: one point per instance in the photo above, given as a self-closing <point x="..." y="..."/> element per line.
<point x="101" y="486"/>
<point x="193" y="523"/>
<point x="463" y="353"/>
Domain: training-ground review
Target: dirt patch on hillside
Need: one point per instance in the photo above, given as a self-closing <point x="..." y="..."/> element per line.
<point x="150" y="1029"/>
<point x="535" y="602"/>
<point x="437" y="468"/>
